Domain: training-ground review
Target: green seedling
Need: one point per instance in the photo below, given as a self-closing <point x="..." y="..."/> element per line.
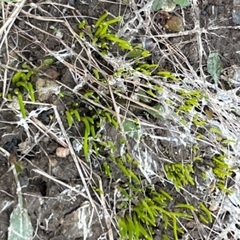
<point x="111" y="119"/>
<point x="190" y="94"/>
<point x="70" y="115"/>
<point x="86" y="137"/>
<point x="124" y="45"/>
<point x="92" y="95"/>
<point x="89" y="128"/>
<point x="21" y="103"/>
<point x="69" y="118"/>
<point x="101" y="34"/>
<point x="186" y="206"/>
<point x="222" y="186"/>
<point x="96" y="74"/>
<point x="82" y="25"/>
<point x="98" y="190"/>
<point x="21" y="82"/>
<point x="29" y="87"/>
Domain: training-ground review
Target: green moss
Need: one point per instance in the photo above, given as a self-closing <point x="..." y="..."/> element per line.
<point x="143" y="206"/>
<point x="179" y="174"/>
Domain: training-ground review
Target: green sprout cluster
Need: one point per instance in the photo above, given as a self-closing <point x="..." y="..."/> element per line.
<point x="101" y="34"/>
<point x="179" y="174"/>
<point x="21" y="81"/>
<point x="222" y="171"/>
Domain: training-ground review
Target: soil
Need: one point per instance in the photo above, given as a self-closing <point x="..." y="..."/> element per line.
<point x="54" y="205"/>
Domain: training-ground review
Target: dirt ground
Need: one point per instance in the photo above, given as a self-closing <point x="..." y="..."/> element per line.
<point x="51" y="185"/>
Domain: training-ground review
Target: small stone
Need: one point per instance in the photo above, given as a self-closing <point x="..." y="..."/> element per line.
<point x="214" y="206"/>
<point x="45" y="88"/>
<point x="62" y="152"/>
<point x="236" y="17"/>
<point x="174" y="24"/>
<point x="236" y="12"/>
<point x="52" y="73"/>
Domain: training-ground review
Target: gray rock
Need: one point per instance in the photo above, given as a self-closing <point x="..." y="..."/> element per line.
<point x="236" y="17"/>
<point x="236" y="12"/>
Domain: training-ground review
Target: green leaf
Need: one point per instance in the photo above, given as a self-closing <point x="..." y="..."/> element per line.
<point x="187" y="206"/>
<point x="31" y="92"/>
<point x="107" y="170"/>
<point x="124" y="45"/>
<point x="175" y="228"/>
<point x="18" y="167"/>
<point x="143" y="231"/>
<point x="122" y="227"/>
<point x="82" y="24"/>
<point x="20" y="225"/>
<point x="17" y="76"/>
<point x="149" y="209"/>
<point x="155" y="114"/>
<point x="215" y="130"/>
<point x="48" y="61"/>
<point x="131" y="228"/>
<point x="165" y="237"/>
<point x="21" y="103"/>
<point x="131" y="128"/>
<point x="168" y="75"/>
<point x="138" y="52"/>
<point x="206" y="211"/>
<point x="214" y="66"/>
<point x="85" y="145"/>
<point x="166" y="5"/>
<point x="25" y="65"/>
<point x="182" y="3"/>
<point x="113" y="21"/>
<point x="133" y="176"/>
<point x="69" y="118"/>
<point x="101" y="19"/>
<point x="165" y="194"/>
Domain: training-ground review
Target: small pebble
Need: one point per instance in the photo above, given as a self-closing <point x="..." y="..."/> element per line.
<point x="62" y="152"/>
<point x="174" y="24"/>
